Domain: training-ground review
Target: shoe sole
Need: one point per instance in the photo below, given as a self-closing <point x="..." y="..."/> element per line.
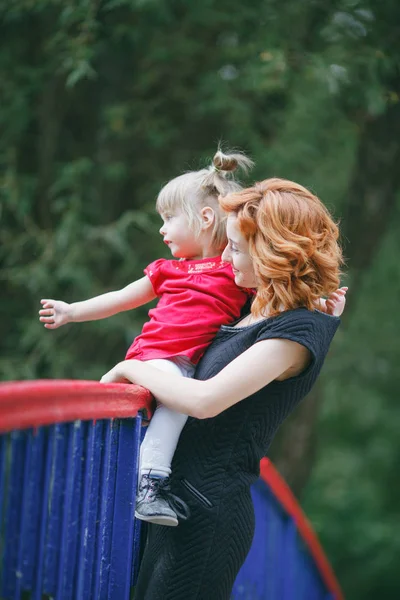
<point x="157" y="520"/>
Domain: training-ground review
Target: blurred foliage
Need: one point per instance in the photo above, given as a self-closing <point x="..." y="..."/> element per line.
<point x="103" y="101"/>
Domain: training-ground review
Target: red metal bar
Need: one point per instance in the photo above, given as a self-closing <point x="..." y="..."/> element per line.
<point x="45" y="402"/>
<point x="26" y="404"/>
<point x="285" y="497"/>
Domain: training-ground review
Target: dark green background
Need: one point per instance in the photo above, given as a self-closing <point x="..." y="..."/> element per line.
<point x="101" y="102"/>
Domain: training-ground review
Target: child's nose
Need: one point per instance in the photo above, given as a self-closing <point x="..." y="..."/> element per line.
<point x="226" y="254"/>
<point x="162" y="229"/>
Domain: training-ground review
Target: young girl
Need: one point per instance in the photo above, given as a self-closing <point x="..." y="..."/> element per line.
<point x="197" y="295"/>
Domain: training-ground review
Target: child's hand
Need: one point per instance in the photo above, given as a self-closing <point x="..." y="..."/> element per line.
<point x="336" y="302"/>
<point x="54" y="313"/>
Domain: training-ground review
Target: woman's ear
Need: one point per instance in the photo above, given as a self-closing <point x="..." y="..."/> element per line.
<point x="207" y="215"/>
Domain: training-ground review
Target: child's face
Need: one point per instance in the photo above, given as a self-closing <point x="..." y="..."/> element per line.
<point x="178" y="236"/>
<point x="237" y="253"/>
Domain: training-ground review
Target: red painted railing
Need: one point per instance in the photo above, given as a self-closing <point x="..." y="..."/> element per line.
<point x="33" y="404"/>
<point x="26" y="404"/>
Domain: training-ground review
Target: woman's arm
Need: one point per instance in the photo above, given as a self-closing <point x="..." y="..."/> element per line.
<point x="56" y="313"/>
<point x="255" y="368"/>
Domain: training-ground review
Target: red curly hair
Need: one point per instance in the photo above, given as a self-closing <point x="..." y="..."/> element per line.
<point x="293" y="242"/>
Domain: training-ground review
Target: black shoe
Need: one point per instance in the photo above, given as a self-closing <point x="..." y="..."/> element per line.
<point x="156" y="504"/>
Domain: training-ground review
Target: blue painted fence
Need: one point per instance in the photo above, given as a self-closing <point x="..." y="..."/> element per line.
<point x="278" y="566"/>
<point x="67" y="527"/>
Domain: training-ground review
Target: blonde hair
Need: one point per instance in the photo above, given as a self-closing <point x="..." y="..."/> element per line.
<point x="293" y="242"/>
<point x="194" y="190"/>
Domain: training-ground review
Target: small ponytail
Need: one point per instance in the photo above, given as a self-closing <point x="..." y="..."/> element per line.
<point x="192" y="191"/>
<point x="230" y="162"/>
<point x="219" y="177"/>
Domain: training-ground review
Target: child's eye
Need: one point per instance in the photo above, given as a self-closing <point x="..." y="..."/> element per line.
<point x="233" y="247"/>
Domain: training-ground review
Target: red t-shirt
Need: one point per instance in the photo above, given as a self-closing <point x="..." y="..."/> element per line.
<point x="196" y="298"/>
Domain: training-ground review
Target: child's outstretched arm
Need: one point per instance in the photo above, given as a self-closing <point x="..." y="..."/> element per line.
<point x="335" y="303"/>
<point x="55" y="313"/>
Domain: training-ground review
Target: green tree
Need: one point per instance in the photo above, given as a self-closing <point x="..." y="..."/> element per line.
<point x="103" y="101"/>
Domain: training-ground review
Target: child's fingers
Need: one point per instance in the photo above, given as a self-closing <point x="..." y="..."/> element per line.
<point x="46" y="319"/>
<point x="333" y="302"/>
<point x="50" y="326"/>
<point x="47" y="311"/>
<point x="335" y="296"/>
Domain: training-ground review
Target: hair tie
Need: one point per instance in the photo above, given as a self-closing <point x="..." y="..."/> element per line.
<point x="216" y="169"/>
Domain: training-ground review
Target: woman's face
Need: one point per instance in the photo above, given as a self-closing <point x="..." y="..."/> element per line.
<point x="237" y="253"/>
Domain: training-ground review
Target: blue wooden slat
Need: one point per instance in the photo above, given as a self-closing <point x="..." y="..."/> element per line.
<point x="247" y="585"/>
<point x="311" y="583"/>
<point x="302" y="577"/>
<point x="107" y="489"/>
<point x="258" y="560"/>
<point x="318" y="585"/>
<point x="269" y="515"/>
<point x="244" y="585"/>
<point x="4" y="475"/>
<point x="32" y="507"/>
<point x="277" y="558"/>
<point x="267" y="512"/>
<point x="124" y="510"/>
<point x="71" y="513"/>
<point x="3" y="453"/>
<point x="290" y="560"/>
<point x="25" y="516"/>
<point x="90" y="509"/>
<point x="13" y="515"/>
<point x="49" y="445"/>
<point x="137" y="525"/>
<point x="55" y="508"/>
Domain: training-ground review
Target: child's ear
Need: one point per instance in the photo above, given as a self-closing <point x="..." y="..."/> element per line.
<point x="207" y="217"/>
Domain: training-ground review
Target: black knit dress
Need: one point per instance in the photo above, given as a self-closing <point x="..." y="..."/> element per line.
<point x="216" y="462"/>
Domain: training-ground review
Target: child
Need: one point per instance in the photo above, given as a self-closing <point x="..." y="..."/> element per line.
<point x="197" y="295"/>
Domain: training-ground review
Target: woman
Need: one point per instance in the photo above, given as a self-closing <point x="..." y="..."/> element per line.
<point x="282" y="242"/>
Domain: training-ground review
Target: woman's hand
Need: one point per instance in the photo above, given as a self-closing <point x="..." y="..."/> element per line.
<point x="115" y="375"/>
<point x="54" y="313"/>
